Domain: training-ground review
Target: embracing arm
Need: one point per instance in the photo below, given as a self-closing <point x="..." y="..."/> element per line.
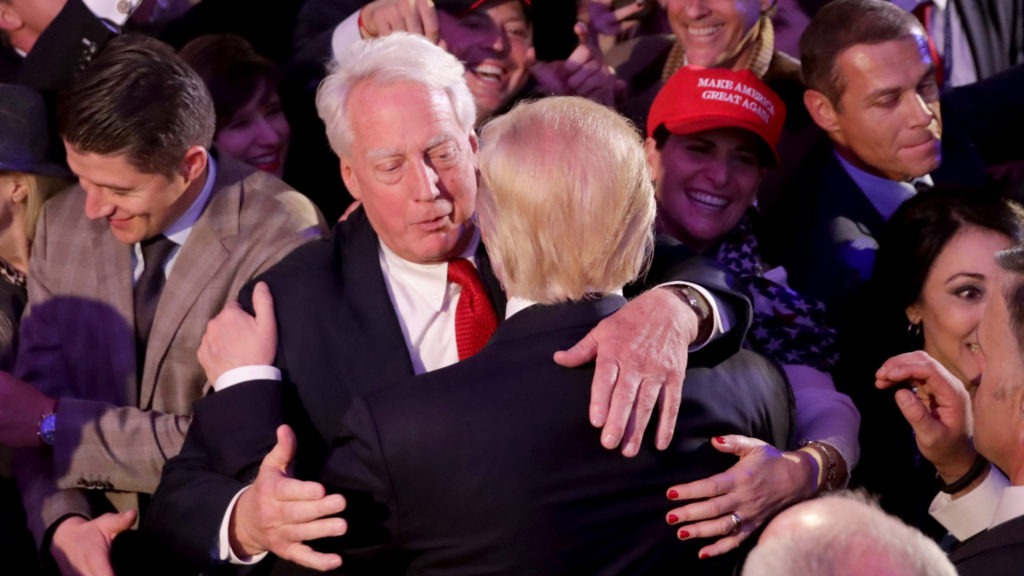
<point x="643" y="350"/>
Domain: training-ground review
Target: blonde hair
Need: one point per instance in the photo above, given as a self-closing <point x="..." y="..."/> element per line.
<point x="566" y="203"/>
<point x="40" y="189"/>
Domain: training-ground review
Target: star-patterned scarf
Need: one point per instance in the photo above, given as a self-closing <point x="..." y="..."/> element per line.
<point x="787" y="327"/>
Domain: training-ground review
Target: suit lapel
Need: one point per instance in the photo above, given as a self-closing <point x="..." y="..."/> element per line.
<point x="113" y="267"/>
<point x="1010" y="533"/>
<point x="200" y="258"/>
<point x="491" y="283"/>
<point x="370" y="307"/>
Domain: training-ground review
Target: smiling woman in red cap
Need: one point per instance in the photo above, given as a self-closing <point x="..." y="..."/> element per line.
<point x="711" y="137"/>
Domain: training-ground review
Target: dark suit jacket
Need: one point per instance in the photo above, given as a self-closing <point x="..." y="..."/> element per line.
<point x="826" y="229"/>
<point x="489" y="466"/>
<point x="998" y="551"/>
<point x="339" y="338"/>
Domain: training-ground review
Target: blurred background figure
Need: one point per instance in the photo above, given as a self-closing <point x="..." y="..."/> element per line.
<point x="28" y="176"/>
<point x="933" y="276"/>
<point x="844" y="534"/>
<point x="970" y="40"/>
<point x="708" y="158"/>
<point x="251" y="125"/>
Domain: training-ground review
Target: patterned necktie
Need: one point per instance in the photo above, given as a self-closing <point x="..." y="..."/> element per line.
<point x="475" y="319"/>
<point x="147" y="289"/>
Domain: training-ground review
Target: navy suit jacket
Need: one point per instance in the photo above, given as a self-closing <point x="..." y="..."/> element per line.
<point x="826" y="234"/>
<point x="998" y="551"/>
<point x="338" y="338"/>
<point x="490" y="466"/>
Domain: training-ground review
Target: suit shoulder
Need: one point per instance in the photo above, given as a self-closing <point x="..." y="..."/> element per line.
<point x="268" y="201"/>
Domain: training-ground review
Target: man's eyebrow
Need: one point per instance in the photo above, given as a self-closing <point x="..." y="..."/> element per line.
<point x="383" y="153"/>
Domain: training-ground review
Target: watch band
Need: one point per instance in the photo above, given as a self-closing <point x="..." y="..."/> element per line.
<point x="695" y="300"/>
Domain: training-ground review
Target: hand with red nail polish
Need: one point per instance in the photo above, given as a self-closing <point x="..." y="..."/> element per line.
<point x="763" y="482"/>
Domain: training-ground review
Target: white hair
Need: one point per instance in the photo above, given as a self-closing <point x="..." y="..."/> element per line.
<point x="855" y="538"/>
<point x="397" y="57"/>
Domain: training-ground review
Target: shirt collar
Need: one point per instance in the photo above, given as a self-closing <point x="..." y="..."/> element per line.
<point x="517" y="304"/>
<point x="429" y="280"/>
<point x="1011" y="505"/>
<point x="179" y="231"/>
<point x="884" y="194"/>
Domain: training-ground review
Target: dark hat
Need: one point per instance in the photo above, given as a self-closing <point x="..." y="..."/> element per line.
<point x="462" y="7"/>
<point x="25" y="133"/>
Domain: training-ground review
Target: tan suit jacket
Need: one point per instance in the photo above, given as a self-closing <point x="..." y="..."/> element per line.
<point x="77" y="338"/>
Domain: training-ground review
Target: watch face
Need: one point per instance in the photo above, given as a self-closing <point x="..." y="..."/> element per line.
<point x="48" y="428"/>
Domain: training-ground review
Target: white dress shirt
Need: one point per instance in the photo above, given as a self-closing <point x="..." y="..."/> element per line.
<point x="980" y="508"/>
<point x="884" y="194"/>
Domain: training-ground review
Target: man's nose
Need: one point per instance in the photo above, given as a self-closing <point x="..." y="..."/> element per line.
<point x="97" y="204"/>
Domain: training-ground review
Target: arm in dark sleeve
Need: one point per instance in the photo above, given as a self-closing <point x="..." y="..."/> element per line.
<point x="674" y="262"/>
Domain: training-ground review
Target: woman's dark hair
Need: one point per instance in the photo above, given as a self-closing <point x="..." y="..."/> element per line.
<point x="231" y="69"/>
<point x="920" y="229"/>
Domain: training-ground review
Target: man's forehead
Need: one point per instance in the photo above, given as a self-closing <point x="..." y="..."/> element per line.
<point x="870" y="61"/>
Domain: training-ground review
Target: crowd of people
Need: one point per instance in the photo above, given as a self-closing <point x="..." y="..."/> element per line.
<point x="511" y="287"/>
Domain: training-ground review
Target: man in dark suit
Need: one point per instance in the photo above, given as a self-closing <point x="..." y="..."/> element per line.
<point x="108" y="343"/>
<point x="375" y="306"/>
<point x="976" y="504"/>
<point x="872" y="89"/>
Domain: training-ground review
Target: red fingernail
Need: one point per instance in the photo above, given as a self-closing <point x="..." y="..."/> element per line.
<point x="672" y="518"/>
<point x="720" y="439"/>
<point x="703" y="556"/>
<point x="673" y="494"/>
<point x="683" y="534"/>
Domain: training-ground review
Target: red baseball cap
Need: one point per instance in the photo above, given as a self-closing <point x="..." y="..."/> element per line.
<point x="696" y="99"/>
<point x="463" y="7"/>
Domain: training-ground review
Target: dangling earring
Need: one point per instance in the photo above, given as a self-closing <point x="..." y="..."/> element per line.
<point x="914" y="329"/>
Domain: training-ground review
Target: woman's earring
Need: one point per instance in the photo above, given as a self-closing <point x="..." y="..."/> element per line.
<point x="914" y="329"/>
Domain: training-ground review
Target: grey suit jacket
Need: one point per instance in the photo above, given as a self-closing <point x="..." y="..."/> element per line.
<point x="77" y="341"/>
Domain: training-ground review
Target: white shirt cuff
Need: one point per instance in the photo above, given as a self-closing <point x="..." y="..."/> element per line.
<point x="115" y="11"/>
<point x="722" y="321"/>
<point x="245" y="374"/>
<point x="224" y="551"/>
<point x="345" y="34"/>
<point x="971" y="513"/>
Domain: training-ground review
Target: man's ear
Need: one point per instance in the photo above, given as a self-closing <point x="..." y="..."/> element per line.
<point x="10" y="20"/>
<point x="194" y="163"/>
<point x="821" y="110"/>
<point x="349" y="178"/>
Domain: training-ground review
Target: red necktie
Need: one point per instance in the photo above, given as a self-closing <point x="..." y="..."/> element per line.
<point x="475" y="319"/>
<point x="923" y="11"/>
